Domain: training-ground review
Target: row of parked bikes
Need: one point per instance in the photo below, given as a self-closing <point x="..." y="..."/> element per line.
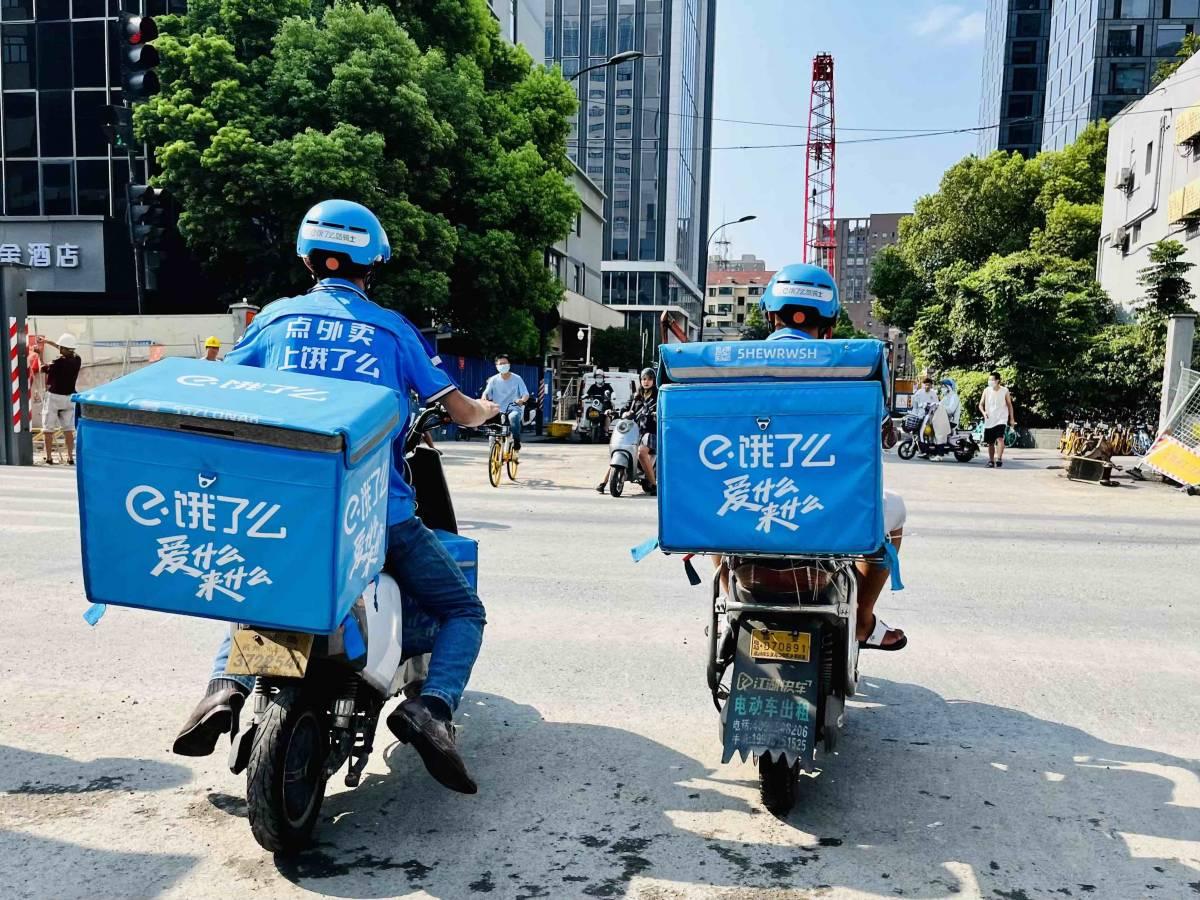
<point x="1086" y="438"/>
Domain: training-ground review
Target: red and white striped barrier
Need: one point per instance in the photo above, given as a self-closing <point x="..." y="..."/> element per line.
<point x="14" y="372"/>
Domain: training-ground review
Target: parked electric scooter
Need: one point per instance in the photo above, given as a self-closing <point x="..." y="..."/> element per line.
<point x="317" y="699"/>
<point x="624" y="464"/>
<point x="919" y="438"/>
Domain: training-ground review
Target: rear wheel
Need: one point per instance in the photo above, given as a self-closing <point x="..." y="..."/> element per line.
<point x="285" y="780"/>
<point x="907" y="450"/>
<point x="616" y="481"/>
<point x="513" y="462"/>
<point x="495" y="462"/>
<point x="778" y="784"/>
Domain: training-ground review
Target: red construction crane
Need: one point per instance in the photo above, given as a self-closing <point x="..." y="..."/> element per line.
<point x="820" y="229"/>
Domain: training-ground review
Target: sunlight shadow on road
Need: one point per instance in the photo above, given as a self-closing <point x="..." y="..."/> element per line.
<point x="573" y="810"/>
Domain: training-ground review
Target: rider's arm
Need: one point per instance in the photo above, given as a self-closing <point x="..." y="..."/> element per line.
<point x="434" y="385"/>
<point x="468" y="411"/>
<point x="524" y="398"/>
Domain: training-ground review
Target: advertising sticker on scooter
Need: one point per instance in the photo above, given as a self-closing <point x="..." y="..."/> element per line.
<point x="772" y="704"/>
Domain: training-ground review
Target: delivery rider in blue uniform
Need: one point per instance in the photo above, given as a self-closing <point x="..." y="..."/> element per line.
<point x="336" y="331"/>
<point x="801" y="304"/>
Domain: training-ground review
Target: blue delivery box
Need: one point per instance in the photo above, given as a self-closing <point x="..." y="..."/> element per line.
<point x="236" y="493"/>
<point x="771" y="448"/>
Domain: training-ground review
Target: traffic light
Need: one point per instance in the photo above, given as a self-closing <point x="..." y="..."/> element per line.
<point x="147" y="213"/>
<point x="118" y="128"/>
<point x="137" y="56"/>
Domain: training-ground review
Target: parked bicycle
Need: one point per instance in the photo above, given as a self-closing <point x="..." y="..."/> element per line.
<point x="1084" y="438"/>
<point x="502" y="451"/>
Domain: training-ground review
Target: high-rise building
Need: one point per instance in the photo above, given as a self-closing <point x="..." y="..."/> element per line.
<point x="643" y="134"/>
<point x="1103" y="54"/>
<point x="520" y="22"/>
<point x="858" y="241"/>
<point x="1017" y="36"/>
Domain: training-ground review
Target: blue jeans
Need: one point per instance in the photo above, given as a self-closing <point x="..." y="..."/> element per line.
<point x="435" y="584"/>
<point x="514" y="422"/>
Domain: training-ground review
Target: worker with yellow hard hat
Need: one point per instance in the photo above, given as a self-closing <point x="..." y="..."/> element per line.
<point x="212" y="347"/>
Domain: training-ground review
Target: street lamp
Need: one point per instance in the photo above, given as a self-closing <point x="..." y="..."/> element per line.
<point x="707" y="248"/>
<point x="588" y="354"/>
<point x="616" y="60"/>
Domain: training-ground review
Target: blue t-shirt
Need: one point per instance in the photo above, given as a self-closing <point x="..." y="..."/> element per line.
<point x="335" y="331"/>
<point x="504" y="392"/>
<point x="790" y="334"/>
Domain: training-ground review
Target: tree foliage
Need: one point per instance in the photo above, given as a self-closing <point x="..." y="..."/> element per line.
<point x="1025" y="312"/>
<point x="898" y="292"/>
<point x="420" y="110"/>
<point x="755" y="328"/>
<point x="1168" y="290"/>
<point x="997" y="270"/>
<point x="1168" y="67"/>
<point x="617" y="348"/>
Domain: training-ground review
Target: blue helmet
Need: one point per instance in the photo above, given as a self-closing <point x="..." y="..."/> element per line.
<point x="342" y="226"/>
<point x="801" y="284"/>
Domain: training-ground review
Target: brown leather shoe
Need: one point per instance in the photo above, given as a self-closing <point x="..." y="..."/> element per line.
<point x="413" y="723"/>
<point x="212" y="717"/>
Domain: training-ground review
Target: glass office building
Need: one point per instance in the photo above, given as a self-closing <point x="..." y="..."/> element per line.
<point x="643" y="134"/>
<point x="1103" y="54"/>
<point x="62" y="194"/>
<point x="1016" y="47"/>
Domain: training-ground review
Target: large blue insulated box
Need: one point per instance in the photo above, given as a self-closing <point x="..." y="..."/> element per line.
<point x="235" y="493"/>
<point x="771" y="448"/>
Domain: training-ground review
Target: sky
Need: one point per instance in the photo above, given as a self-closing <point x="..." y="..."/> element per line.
<point x="898" y="64"/>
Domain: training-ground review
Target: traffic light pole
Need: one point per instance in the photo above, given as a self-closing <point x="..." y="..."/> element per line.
<point x="139" y="272"/>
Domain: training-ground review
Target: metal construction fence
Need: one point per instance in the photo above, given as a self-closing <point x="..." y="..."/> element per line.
<point x="1176" y="451"/>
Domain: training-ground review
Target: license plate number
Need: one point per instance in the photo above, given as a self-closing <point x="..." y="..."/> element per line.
<point x="780" y="645"/>
<point x="281" y="654"/>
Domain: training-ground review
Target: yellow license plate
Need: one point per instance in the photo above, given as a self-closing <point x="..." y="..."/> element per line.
<point x="281" y="654"/>
<point x="780" y="645"/>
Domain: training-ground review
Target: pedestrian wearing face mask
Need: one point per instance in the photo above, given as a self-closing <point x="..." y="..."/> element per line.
<point x="997" y="408"/>
<point x="507" y="390"/>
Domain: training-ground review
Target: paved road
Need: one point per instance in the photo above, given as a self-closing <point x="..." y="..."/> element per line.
<point x="1038" y="738"/>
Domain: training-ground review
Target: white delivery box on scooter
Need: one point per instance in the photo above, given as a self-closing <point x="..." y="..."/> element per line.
<point x="235" y="493"/>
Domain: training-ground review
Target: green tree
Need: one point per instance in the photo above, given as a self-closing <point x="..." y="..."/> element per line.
<point x="755" y="327"/>
<point x="1072" y="231"/>
<point x="897" y="290"/>
<point x="1167" y="68"/>
<point x="1075" y="173"/>
<point x="419" y="110"/>
<point x="982" y="207"/>
<point x="846" y="328"/>
<point x="1026" y="312"/>
<point x="617" y="348"/>
<point x="1168" y="290"/>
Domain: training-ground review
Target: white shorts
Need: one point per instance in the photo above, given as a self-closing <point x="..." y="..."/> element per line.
<point x="57" y="412"/>
<point x="894" y="512"/>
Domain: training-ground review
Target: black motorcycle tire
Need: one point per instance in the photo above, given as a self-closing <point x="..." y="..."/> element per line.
<point x="283" y="813"/>
<point x="777" y="784"/>
<point x="616" y="481"/>
<point x="906" y="449"/>
<point x="964" y="454"/>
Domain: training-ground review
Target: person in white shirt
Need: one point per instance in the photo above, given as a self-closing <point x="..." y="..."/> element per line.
<point x="997" y="408"/>
<point x="923" y="396"/>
